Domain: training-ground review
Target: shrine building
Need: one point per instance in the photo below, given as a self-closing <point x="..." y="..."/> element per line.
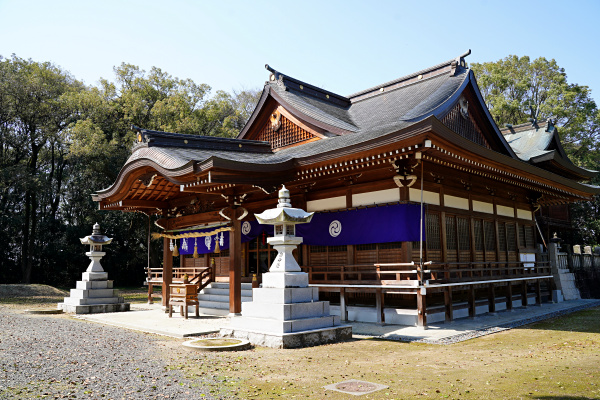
<point x="424" y="209"/>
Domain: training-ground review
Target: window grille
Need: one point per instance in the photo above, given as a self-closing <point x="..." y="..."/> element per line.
<point x="478" y="235"/>
<point x="522" y="242"/>
<point x="451" y="243"/>
<point x="318" y="249"/>
<point x="390" y="245"/>
<point x="490" y="236"/>
<point x="366" y="247"/>
<point x="433" y="232"/>
<point x="529" y="236"/>
<point x="464" y="239"/>
<point x="502" y="237"/>
<point x="333" y="249"/>
<point x="511" y="240"/>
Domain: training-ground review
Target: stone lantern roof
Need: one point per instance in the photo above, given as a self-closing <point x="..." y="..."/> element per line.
<point x="284" y="213"/>
<point x="96" y="237"/>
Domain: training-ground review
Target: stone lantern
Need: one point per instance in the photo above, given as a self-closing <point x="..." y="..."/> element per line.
<point x="284" y="218"/>
<point x="96" y="240"/>
<point x="286" y="312"/>
<point x="94" y="293"/>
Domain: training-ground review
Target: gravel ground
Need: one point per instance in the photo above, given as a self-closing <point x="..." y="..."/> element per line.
<point x="57" y="357"/>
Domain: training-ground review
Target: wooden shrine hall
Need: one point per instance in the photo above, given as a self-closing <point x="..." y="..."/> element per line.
<point x="424" y="209"/>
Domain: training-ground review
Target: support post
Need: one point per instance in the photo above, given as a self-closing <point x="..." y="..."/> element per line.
<point x="167" y="272"/>
<point x="421" y="308"/>
<point x="448" y="304"/>
<point x="509" y="296"/>
<point x="343" y="310"/>
<point x="538" y="292"/>
<point x="524" y="294"/>
<point x="380" y="306"/>
<point x="491" y="298"/>
<point x="472" y="304"/>
<point x="235" y="265"/>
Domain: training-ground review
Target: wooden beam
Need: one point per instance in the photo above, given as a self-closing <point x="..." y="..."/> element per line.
<point x="524" y="294"/>
<point x="491" y="298"/>
<point x="379" y="304"/>
<point x="448" y="304"/>
<point x="421" y="309"/>
<point x="509" y="295"/>
<point x="343" y="310"/>
<point x="472" y="303"/>
<point x="167" y="272"/>
<point x="235" y="264"/>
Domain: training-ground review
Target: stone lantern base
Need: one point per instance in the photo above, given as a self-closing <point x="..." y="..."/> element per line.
<point x="287" y="313"/>
<point x="93" y="294"/>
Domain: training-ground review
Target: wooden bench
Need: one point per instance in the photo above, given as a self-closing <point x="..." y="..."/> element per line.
<point x="183" y="295"/>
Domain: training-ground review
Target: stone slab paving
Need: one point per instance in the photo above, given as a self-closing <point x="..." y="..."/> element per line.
<point x="152" y="319"/>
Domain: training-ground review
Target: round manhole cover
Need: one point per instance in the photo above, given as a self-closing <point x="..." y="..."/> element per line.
<point x="356" y="387"/>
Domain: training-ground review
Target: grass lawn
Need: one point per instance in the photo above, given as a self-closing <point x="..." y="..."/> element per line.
<point x="554" y="359"/>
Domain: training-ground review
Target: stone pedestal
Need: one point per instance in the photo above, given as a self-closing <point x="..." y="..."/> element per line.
<point x="287" y="313"/>
<point x="94" y="293"/>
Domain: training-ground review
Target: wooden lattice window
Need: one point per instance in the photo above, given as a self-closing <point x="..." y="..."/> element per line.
<point x="390" y="245"/>
<point x="464" y="126"/>
<point x="478" y="228"/>
<point x="490" y="236"/>
<point x="522" y="242"/>
<point x="464" y="239"/>
<point x="502" y="237"/>
<point x="529" y="236"/>
<point x="451" y="243"/>
<point x="287" y="134"/>
<point x="434" y="241"/>
<point x="318" y="249"/>
<point x="511" y="239"/>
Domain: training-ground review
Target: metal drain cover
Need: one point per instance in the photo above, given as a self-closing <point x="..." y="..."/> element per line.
<point x="355" y="387"/>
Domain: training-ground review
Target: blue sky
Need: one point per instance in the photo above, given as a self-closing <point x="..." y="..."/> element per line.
<point x="342" y="46"/>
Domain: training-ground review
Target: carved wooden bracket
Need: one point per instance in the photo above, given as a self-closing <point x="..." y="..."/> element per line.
<point x="466" y="185"/>
<point x="147" y="179"/>
<point x="437" y="178"/>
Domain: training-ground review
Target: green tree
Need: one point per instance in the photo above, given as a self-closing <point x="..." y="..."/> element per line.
<point x="518" y="90"/>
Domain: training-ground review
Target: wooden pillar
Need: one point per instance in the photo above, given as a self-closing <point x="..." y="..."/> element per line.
<point x="509" y="295"/>
<point x="379" y="304"/>
<point x="235" y="265"/>
<point x="524" y="294"/>
<point x="343" y="310"/>
<point x="448" y="303"/>
<point x="491" y="298"/>
<point x="538" y="292"/>
<point x="421" y="308"/>
<point x="472" y="303"/>
<point x="167" y="272"/>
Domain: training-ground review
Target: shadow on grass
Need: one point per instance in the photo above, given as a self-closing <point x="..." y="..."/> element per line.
<point x="586" y="321"/>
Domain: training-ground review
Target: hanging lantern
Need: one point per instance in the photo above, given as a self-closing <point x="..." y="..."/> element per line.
<point x="196" y="255"/>
<point x="175" y="249"/>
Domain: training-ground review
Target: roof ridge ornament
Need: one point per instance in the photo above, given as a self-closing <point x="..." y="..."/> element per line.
<point x="459" y="62"/>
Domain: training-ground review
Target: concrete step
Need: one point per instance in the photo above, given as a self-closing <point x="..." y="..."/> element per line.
<point x="220" y="298"/>
<point x="224" y="291"/>
<point x="225" y="285"/>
